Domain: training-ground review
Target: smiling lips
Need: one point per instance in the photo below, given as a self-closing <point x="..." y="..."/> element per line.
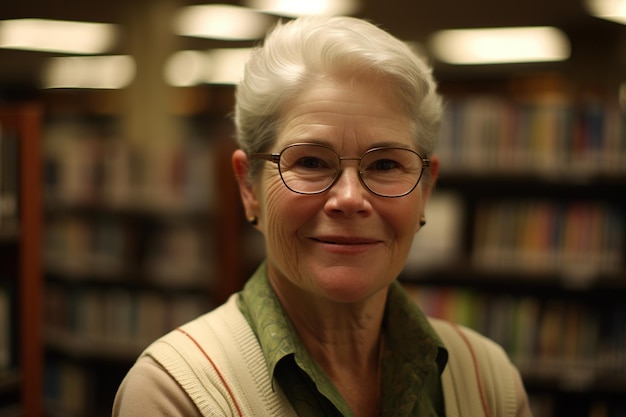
<point x="348" y="241"/>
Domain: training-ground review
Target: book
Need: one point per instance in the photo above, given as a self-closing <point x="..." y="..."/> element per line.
<point x="573" y="341"/>
<point x="580" y="240"/>
<point x="6" y="334"/>
<point x="9" y="184"/>
<point x="555" y="137"/>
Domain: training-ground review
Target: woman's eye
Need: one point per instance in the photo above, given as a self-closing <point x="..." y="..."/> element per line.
<point x="311" y="162"/>
<point x="384" y="165"/>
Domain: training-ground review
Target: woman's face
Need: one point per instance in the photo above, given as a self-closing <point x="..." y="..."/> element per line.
<point x="344" y="244"/>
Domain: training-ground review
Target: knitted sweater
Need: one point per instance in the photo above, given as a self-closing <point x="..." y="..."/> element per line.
<point x="226" y="375"/>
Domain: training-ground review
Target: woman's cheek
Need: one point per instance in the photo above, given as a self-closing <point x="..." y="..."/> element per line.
<point x="277" y="212"/>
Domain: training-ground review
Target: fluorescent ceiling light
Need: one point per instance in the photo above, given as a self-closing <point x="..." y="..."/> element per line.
<point x="614" y="10"/>
<point x="219" y="21"/>
<point x="102" y="72"/>
<point x="295" y="8"/>
<point x="500" y="45"/>
<point x="186" y="68"/>
<point x="216" y="66"/>
<point x="226" y="65"/>
<point x="57" y="36"/>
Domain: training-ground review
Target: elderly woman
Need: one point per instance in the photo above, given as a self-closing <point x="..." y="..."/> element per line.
<point x="336" y="121"/>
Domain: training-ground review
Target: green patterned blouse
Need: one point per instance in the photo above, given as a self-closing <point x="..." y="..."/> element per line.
<point x="413" y="360"/>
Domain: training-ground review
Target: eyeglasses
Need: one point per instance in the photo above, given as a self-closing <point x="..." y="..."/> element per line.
<point x="308" y="168"/>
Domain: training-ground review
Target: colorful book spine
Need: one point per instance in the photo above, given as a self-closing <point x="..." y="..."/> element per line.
<point x="556" y="137"/>
<point x="579" y="241"/>
<point x="576" y="342"/>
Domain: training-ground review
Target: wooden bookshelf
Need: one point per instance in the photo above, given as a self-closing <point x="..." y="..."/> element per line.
<point x="21" y="245"/>
<point x="548" y="178"/>
<point x="540" y="254"/>
<point x="133" y="247"/>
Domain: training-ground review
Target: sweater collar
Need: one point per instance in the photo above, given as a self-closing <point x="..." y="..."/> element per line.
<point x="407" y="331"/>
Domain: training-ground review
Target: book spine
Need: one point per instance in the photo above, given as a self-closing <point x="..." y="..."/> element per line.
<point x="114" y="321"/>
<point x="554" y="137"/>
<point x="580" y="241"/>
<point x="574" y="342"/>
<point x="6" y="331"/>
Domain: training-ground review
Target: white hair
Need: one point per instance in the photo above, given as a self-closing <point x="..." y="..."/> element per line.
<point x="305" y="49"/>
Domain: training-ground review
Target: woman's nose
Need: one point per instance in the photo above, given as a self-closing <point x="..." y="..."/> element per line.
<point x="348" y="194"/>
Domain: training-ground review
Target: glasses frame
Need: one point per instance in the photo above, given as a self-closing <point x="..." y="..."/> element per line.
<point x="275" y="158"/>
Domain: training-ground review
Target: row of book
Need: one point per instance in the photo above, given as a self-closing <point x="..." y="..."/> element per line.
<point x="489" y="133"/>
<point x="580" y="240"/>
<point x="114" y="322"/>
<point x="546" y="406"/>
<point x="9" y="180"/>
<point x="577" y="342"/>
<point x="67" y="388"/>
<point x="74" y="389"/>
<point x="112" y="248"/>
<point x="6" y="330"/>
<point x="89" y="167"/>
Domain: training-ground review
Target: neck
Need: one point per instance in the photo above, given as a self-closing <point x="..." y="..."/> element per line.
<point x="345" y="331"/>
<point x="345" y="340"/>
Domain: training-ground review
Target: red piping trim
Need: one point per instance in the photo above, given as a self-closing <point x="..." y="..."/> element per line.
<point x="481" y="388"/>
<point x="219" y="374"/>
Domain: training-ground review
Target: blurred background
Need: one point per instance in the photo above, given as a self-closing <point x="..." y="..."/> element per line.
<point x="120" y="218"/>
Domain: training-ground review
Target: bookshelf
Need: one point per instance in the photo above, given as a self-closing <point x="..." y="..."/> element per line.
<point x="488" y="257"/>
<point x="536" y="259"/>
<point x="135" y="244"/>
<point x="21" y="357"/>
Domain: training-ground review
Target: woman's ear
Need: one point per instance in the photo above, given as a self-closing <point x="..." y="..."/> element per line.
<point x="249" y="198"/>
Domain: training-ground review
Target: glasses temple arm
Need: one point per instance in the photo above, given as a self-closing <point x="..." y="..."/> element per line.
<point x="272" y="157"/>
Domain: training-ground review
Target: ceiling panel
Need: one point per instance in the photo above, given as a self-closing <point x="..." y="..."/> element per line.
<point x="408" y="19"/>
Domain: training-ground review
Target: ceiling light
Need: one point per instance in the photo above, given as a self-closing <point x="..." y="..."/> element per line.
<point x="614" y="10"/>
<point x="186" y="68"/>
<point x="219" y="21"/>
<point x="295" y="8"/>
<point x="215" y="66"/>
<point x="500" y="45"/>
<point x="226" y="65"/>
<point x="102" y="72"/>
<point x="57" y="36"/>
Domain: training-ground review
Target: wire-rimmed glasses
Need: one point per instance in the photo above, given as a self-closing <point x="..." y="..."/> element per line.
<point x="310" y="168"/>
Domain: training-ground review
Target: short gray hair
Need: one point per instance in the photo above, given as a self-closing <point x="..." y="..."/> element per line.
<point x="305" y="49"/>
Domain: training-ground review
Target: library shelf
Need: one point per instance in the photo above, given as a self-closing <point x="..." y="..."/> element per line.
<point x="133" y="248"/>
<point x="499" y="185"/>
<point x="10" y="380"/>
<point x="465" y="274"/>
<point x="83" y="348"/>
<point x="536" y="254"/>
<point x="583" y="186"/>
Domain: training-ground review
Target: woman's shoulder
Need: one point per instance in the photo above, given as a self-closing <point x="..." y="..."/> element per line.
<point x="479" y="366"/>
<point x="152" y="387"/>
<point x="149" y="390"/>
<point x="454" y="335"/>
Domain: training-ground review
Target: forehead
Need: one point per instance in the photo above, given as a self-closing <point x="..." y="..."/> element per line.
<point x="341" y="112"/>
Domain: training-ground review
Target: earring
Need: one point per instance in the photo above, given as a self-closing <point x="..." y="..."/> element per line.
<point x="253" y="220"/>
<point x="422" y="221"/>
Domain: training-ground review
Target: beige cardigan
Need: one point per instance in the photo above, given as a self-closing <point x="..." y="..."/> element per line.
<point x="217" y="360"/>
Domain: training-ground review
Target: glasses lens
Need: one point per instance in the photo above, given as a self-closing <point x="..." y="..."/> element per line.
<point x="391" y="172"/>
<point x="308" y="169"/>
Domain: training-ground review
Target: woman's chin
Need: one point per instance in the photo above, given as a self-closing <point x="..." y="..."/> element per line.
<point x="348" y="285"/>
